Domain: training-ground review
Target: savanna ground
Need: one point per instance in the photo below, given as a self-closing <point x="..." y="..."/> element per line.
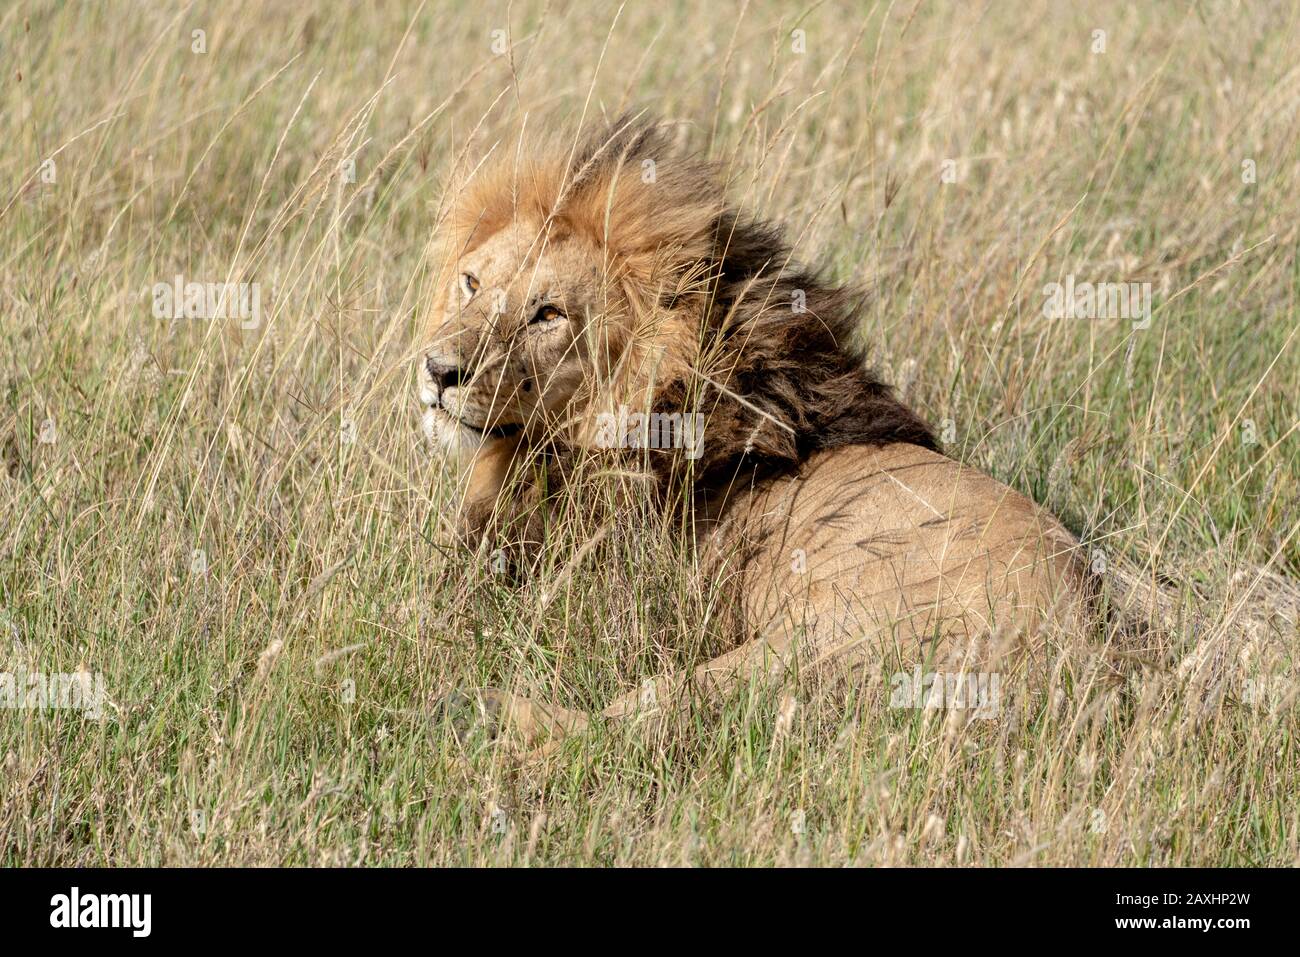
<point x="241" y="530"/>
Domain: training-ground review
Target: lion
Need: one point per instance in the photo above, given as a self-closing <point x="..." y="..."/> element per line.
<point x="609" y="281"/>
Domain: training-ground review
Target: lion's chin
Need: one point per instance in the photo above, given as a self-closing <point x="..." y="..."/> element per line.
<point x="449" y="437"/>
<point x="456" y="442"/>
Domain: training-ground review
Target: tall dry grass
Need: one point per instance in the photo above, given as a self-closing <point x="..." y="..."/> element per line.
<point x="239" y="528"/>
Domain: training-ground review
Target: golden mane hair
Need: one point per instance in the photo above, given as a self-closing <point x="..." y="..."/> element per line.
<point x="757" y="343"/>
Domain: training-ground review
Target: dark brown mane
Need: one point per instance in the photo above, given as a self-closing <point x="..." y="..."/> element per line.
<point x="779" y="378"/>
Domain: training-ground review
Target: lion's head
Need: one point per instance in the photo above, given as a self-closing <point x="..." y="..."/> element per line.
<point x="582" y="282"/>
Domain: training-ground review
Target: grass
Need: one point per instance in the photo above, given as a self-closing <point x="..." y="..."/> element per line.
<point x="239" y="529"/>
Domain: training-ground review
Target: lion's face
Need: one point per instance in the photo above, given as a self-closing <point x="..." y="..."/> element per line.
<point x="511" y="343"/>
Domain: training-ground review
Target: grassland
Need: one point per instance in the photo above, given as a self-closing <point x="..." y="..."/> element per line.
<point x="239" y="528"/>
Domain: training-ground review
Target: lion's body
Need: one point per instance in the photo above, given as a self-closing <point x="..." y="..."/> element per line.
<point x="575" y="288"/>
<point x="866" y="552"/>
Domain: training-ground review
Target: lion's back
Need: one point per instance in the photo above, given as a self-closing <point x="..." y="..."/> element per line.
<point x="899" y="544"/>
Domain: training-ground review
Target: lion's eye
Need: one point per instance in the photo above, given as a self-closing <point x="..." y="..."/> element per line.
<point x="545" y="314"/>
<point x="469" y="284"/>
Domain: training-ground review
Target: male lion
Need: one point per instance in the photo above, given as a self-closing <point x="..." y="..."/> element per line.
<point x="581" y="282"/>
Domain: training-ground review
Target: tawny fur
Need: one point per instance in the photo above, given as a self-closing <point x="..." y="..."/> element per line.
<point x="820" y="493"/>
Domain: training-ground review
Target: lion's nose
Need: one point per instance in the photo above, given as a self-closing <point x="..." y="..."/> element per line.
<point x="445" y="374"/>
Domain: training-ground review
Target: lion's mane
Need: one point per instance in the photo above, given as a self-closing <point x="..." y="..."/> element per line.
<point x="759" y="343"/>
